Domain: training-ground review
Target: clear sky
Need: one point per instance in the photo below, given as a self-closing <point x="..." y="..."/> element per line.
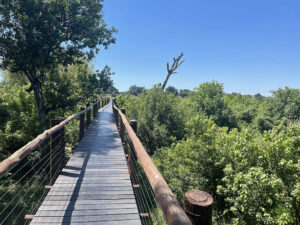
<point x="250" y="46"/>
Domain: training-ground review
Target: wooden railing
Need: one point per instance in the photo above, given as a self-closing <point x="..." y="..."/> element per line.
<point x="13" y="160"/>
<point x="172" y="210"/>
<point x="27" y="175"/>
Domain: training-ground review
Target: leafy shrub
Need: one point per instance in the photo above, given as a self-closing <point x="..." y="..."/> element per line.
<point x="160" y="121"/>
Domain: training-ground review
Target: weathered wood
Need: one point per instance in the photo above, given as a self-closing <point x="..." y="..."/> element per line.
<point x="95" y="110"/>
<point x="133" y="124"/>
<point x="172" y="210"/>
<point x="94" y="187"/>
<point x="88" y="115"/>
<point x="198" y="206"/>
<point x="28" y="217"/>
<point x="57" y="150"/>
<point x="48" y="187"/>
<point x="13" y="160"/>
<point x="81" y="124"/>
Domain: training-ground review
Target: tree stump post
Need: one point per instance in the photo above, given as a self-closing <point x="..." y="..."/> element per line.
<point x="133" y="124"/>
<point x="81" y="125"/>
<point x="57" y="150"/>
<point x="198" y="207"/>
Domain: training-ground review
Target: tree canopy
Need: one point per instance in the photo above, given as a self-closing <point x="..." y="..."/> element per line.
<point x="37" y="35"/>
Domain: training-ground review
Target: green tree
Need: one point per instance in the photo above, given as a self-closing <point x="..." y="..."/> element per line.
<point x="135" y="90"/>
<point x="37" y="35"/>
<point x="160" y="120"/>
<point x="183" y="92"/>
<point x="209" y="99"/>
<point x="172" y="90"/>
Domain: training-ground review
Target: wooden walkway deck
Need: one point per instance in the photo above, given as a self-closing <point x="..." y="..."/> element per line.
<point x="94" y="187"/>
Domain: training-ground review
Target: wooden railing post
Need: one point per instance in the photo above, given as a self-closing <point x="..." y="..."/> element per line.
<point x="198" y="207"/>
<point x="131" y="153"/>
<point x="57" y="150"/>
<point x="173" y="212"/>
<point x="133" y="124"/>
<point x="88" y="116"/>
<point x="95" y="110"/>
<point x="122" y="127"/>
<point x="81" y="125"/>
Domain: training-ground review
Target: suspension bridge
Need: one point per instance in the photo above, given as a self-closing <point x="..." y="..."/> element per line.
<point x="109" y="179"/>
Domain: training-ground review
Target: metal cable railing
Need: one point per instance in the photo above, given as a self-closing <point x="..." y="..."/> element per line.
<point x="156" y="202"/>
<point x="27" y="175"/>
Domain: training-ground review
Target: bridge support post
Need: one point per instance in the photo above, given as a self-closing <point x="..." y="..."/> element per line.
<point x="57" y="150"/>
<point x="131" y="154"/>
<point x="88" y="116"/>
<point x="95" y="109"/>
<point x="81" y="125"/>
<point x="121" y="126"/>
<point x="198" y="207"/>
<point x="133" y="124"/>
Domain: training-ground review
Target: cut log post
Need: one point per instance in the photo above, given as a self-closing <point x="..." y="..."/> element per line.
<point x="81" y="125"/>
<point x="133" y="124"/>
<point x="57" y="150"/>
<point x="123" y="111"/>
<point x="198" y="207"/>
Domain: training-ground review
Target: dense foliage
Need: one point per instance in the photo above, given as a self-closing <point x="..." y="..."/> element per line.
<point x="37" y="36"/>
<point x="242" y="149"/>
<point x="66" y="90"/>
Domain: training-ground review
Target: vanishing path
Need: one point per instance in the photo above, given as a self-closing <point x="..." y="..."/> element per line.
<point x="94" y="187"/>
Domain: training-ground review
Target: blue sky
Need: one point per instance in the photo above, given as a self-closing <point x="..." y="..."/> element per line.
<point x="250" y="46"/>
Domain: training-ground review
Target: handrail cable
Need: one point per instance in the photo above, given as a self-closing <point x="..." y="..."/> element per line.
<point x="13" y="160"/>
<point x="27" y="182"/>
<point x="30" y="168"/>
<point x="140" y="181"/>
<point x="171" y="208"/>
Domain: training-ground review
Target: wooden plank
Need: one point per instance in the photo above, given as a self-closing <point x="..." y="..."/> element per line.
<point x="119" y="222"/>
<point x="77" y="207"/>
<point x="84" y="219"/>
<point x="94" y="187"/>
<point x="89" y="202"/>
<point x="86" y="212"/>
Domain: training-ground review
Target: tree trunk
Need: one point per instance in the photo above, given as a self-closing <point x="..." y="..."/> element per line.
<point x="165" y="82"/>
<point x="37" y="89"/>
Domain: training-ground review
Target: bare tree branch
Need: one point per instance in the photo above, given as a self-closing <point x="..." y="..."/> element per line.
<point x="175" y="65"/>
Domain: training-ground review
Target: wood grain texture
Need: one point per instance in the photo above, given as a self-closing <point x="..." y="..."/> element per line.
<point x="94" y="187"/>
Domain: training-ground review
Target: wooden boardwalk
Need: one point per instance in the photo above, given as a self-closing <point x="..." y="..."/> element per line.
<point x="94" y="187"/>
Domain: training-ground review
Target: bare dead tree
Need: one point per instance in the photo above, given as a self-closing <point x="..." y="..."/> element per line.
<point x="175" y="65"/>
